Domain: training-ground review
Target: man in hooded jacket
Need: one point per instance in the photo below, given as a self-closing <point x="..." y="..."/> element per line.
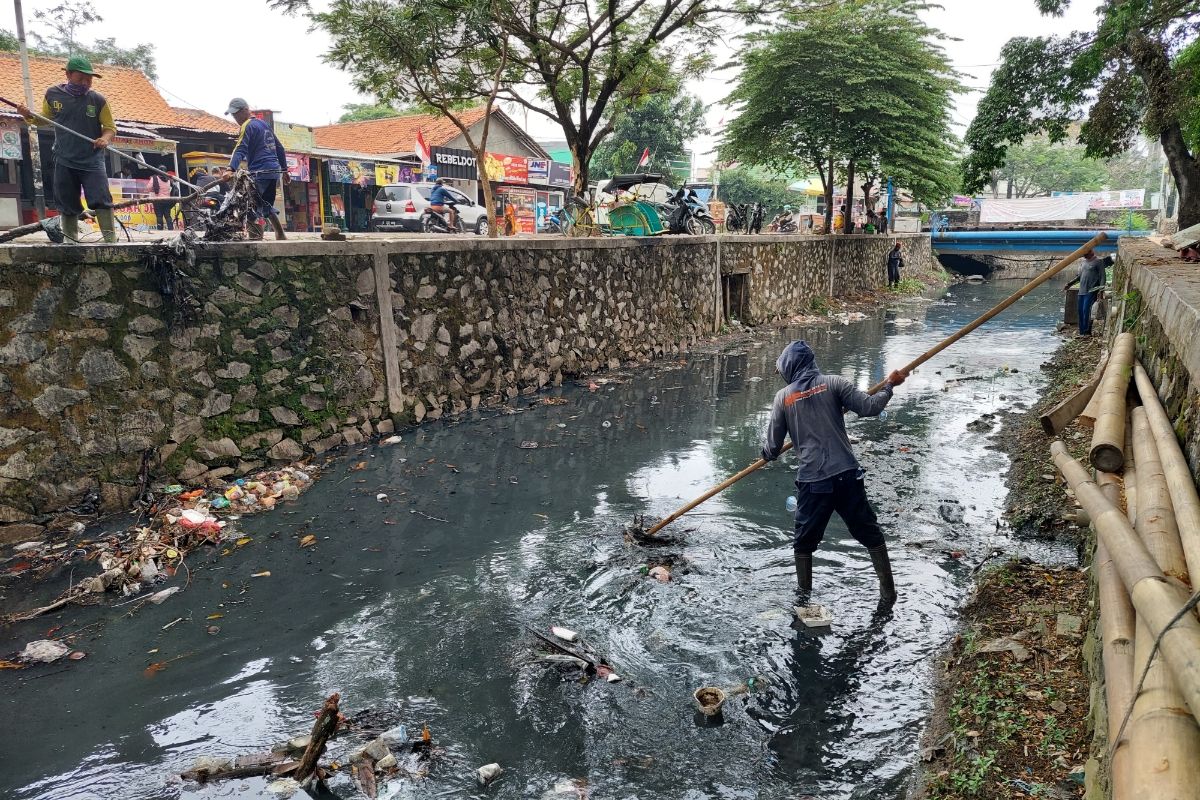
<point x="810" y="410"/>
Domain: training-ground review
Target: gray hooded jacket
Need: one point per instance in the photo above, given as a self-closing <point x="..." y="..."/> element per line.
<point x="810" y="410"/>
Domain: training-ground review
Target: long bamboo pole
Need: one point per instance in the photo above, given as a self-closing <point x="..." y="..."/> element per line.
<point x="1164" y="739"/>
<point x="1117" y="645"/>
<point x="1155" y="520"/>
<point x="1184" y="499"/>
<point x="1098" y="239"/>
<point x="1155" y="598"/>
<point x="1108" y="436"/>
<point x="1061" y="415"/>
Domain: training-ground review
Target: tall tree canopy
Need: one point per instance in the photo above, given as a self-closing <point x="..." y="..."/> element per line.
<point x="1038" y="167"/>
<point x="662" y="123"/>
<point x="750" y="185"/>
<point x="858" y="85"/>
<point x="1128" y="74"/>
<point x="444" y="56"/>
<point x="576" y="62"/>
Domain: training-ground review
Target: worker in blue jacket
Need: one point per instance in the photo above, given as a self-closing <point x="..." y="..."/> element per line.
<point x="265" y="161"/>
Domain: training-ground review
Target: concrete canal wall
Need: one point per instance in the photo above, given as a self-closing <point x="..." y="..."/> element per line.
<point x="122" y="362"/>
<point x="1162" y="308"/>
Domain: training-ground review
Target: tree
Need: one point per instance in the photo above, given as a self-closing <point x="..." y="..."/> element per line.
<point x="1116" y="79"/>
<point x="859" y="86"/>
<point x="575" y="61"/>
<point x="358" y="112"/>
<point x="748" y="185"/>
<point x="1038" y="167"/>
<point x="443" y="55"/>
<point x="1139" y="167"/>
<point x="662" y="123"/>
<point x="65" y="23"/>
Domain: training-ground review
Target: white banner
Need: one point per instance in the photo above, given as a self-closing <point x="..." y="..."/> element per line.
<point x="1118" y="198"/>
<point x="1034" y="209"/>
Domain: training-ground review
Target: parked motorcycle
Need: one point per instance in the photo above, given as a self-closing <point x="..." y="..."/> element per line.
<point x="783" y="223"/>
<point x="755" y="221"/>
<point x="737" y="218"/>
<point x="436" y="222"/>
<point x="685" y="213"/>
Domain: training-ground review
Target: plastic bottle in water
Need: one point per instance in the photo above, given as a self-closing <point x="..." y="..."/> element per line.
<point x="791" y="503"/>
<point x="883" y="414"/>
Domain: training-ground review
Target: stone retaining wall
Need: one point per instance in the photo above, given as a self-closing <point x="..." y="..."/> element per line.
<point x="109" y="374"/>
<point x="831" y="267"/>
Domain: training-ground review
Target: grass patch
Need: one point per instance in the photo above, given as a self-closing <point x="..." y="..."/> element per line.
<point x="908" y="286"/>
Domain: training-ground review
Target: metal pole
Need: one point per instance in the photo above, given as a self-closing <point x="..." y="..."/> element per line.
<point x="35" y="150"/>
<point x="891" y="217"/>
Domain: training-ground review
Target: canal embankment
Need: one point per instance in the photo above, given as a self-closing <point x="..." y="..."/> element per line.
<point x="1024" y="690"/>
<point x="131" y="364"/>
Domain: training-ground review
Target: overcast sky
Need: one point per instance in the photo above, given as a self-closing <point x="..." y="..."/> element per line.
<point x="274" y="61"/>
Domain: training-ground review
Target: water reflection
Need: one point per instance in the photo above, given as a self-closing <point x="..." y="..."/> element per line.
<point x="422" y="602"/>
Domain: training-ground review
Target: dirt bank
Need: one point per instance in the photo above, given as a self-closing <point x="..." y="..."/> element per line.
<point x="1010" y="719"/>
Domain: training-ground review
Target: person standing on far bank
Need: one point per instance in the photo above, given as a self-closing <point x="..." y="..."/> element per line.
<point x="895" y="260"/>
<point x="810" y="411"/>
<point x="80" y="165"/>
<point x="1093" y="274"/>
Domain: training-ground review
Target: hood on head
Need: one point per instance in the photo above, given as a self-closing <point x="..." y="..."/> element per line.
<point x="796" y="361"/>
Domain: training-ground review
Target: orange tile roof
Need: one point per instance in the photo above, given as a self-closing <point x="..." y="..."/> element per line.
<point x="203" y="121"/>
<point x="129" y="93"/>
<point x="393" y="134"/>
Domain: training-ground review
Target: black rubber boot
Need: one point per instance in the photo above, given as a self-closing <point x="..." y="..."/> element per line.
<point x="883" y="569"/>
<point x="804" y="574"/>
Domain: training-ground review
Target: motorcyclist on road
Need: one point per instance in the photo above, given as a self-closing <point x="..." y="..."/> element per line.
<point x="443" y="202"/>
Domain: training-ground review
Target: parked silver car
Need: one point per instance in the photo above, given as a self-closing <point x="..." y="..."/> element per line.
<point x="399" y="207"/>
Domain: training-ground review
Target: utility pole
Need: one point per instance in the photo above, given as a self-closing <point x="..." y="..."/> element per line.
<point x="35" y="150"/>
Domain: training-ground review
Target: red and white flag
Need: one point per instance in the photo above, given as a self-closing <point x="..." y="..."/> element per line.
<point x="422" y="149"/>
<point x="645" y="159"/>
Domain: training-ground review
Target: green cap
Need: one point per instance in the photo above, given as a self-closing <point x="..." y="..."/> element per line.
<point x="81" y="64"/>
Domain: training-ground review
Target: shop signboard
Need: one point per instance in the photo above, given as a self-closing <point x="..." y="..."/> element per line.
<point x="560" y="175"/>
<point x="386" y="173"/>
<point x="297" y="167"/>
<point x="539" y="170"/>
<point x="503" y="168"/>
<point x="295" y="137"/>
<point x="360" y="173"/>
<point x="10" y="140"/>
<point x="131" y="144"/>
<point x="450" y="162"/>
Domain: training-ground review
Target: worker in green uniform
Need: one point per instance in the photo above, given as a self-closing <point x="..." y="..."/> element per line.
<point x="79" y="164"/>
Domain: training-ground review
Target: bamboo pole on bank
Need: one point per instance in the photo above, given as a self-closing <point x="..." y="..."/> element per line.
<point x="1129" y="476"/>
<point x="1180" y="484"/>
<point x="1117" y="642"/>
<point x="1155" y="599"/>
<point x="1108" y="435"/>
<point x="1061" y="415"/>
<point x="1164" y="739"/>
<point x="995" y="311"/>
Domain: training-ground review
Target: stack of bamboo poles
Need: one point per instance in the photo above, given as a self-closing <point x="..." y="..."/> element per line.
<point x="1145" y="557"/>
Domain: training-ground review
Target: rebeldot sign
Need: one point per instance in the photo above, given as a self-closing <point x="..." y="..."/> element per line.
<point x="451" y="162"/>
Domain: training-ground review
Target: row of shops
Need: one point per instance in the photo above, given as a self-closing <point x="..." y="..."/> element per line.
<point x="327" y="186"/>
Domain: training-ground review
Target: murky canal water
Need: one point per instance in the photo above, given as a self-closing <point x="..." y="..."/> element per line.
<point x="422" y="602"/>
